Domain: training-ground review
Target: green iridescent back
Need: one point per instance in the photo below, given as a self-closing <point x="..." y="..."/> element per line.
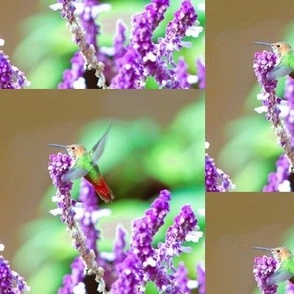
<point x="85" y="162"/>
<point x="288" y="264"/>
<point x="288" y="59"/>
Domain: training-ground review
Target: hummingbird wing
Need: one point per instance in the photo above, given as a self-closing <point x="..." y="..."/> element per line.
<point x="98" y="148"/>
<point x="280" y="70"/>
<point x="73" y="173"/>
<point x="280" y="275"/>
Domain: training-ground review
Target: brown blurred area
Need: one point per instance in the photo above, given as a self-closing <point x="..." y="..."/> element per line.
<point x="12" y="14"/>
<point x="236" y="223"/>
<point x="31" y="119"/>
<point x="232" y="27"/>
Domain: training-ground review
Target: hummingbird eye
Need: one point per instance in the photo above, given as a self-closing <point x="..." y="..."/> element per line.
<point x="73" y="148"/>
<point x="278" y="250"/>
<point x="278" y="45"/>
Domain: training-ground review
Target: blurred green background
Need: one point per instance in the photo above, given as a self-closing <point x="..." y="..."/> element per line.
<point x="44" y="46"/>
<point x="242" y="141"/>
<point x="154" y="143"/>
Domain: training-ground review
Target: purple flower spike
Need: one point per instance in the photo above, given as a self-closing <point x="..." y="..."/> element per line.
<point x="143" y="26"/>
<point x="201" y="73"/>
<point x="201" y="279"/>
<point x="182" y="278"/>
<point x="184" y="18"/>
<point x="263" y="268"/>
<point x="75" y="279"/>
<point x="119" y="245"/>
<point x="87" y="216"/>
<point x="264" y="62"/>
<point x="10" y="281"/>
<point x="289" y="96"/>
<point x="89" y="10"/>
<point x="68" y="10"/>
<point x="139" y="61"/>
<point x="90" y="215"/>
<point x="144" y="263"/>
<point x="143" y="57"/>
<point x="129" y="75"/>
<point x="80" y="36"/>
<point x="279" y="181"/>
<point x="10" y="76"/>
<point x="183" y="228"/>
<point x="184" y="224"/>
<point x="120" y="39"/>
<point x="215" y="179"/>
<point x="73" y="78"/>
<point x="58" y="165"/>
<point x="181" y="71"/>
<point x="129" y="277"/>
<point x="145" y="228"/>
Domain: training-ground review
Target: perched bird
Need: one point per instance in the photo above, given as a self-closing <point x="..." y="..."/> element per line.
<point x="285" y="64"/>
<point x="84" y="165"/>
<point x="285" y="270"/>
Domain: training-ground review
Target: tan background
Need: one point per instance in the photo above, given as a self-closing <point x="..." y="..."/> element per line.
<point x="12" y="13"/>
<point x="232" y="26"/>
<point x="30" y="119"/>
<point x="235" y="223"/>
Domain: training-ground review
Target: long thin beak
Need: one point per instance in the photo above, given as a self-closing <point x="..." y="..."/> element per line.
<point x="57" y="145"/>
<point x="262" y="43"/>
<point x="262" y="248"/>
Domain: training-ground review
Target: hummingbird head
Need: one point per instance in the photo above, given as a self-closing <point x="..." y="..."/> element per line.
<point x="74" y="150"/>
<point x="279" y="48"/>
<point x="279" y="253"/>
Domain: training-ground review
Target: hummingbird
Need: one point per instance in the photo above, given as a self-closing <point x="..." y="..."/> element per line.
<point x="285" y="65"/>
<point x="285" y="270"/>
<point x="84" y="165"/>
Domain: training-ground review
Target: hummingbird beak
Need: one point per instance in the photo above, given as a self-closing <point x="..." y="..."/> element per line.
<point x="262" y="43"/>
<point x="262" y="248"/>
<point x="57" y="145"/>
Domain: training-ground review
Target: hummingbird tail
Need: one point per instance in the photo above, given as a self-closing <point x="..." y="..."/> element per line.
<point x="102" y="190"/>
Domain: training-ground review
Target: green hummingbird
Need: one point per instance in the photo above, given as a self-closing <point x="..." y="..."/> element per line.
<point x="84" y="165"/>
<point x="285" y="269"/>
<point x="285" y="64"/>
